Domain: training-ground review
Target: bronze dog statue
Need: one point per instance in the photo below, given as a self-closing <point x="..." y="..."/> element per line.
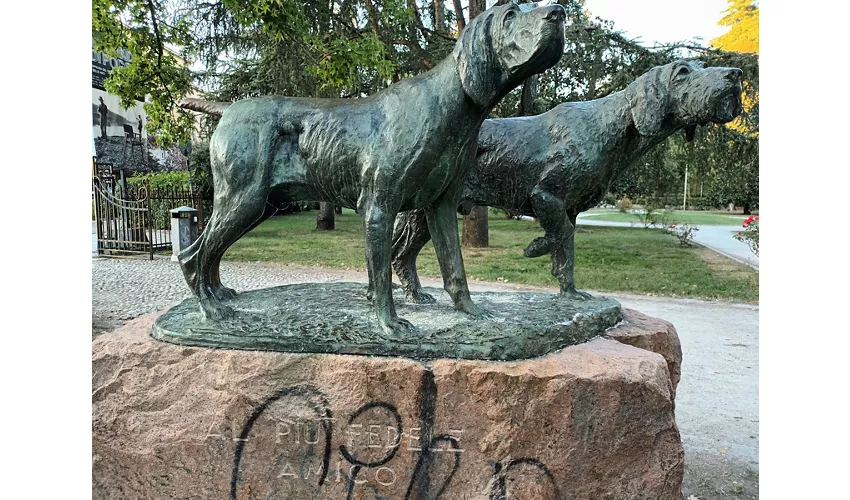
<point x="407" y="147"/>
<point x="554" y="165"/>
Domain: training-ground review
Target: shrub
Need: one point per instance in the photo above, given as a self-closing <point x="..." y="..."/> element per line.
<point x="654" y="216"/>
<point x="684" y="232"/>
<point x="750" y="234"/>
<point x="624" y="205"/>
<point x="165" y="188"/>
<point x="161" y="180"/>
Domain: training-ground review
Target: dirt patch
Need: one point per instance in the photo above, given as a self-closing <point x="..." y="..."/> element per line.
<point x="721" y="264"/>
<point x="710" y="477"/>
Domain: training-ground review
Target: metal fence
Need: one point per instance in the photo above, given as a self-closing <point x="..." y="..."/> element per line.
<point x="135" y="219"/>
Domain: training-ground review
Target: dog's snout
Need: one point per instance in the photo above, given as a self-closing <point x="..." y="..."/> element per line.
<point x="734" y="74"/>
<point x="554" y="13"/>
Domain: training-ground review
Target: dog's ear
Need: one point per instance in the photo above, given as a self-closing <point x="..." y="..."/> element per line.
<point x="649" y="98"/>
<point x="473" y="55"/>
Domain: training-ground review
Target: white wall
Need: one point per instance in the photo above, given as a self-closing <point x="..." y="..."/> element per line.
<point x="117" y="116"/>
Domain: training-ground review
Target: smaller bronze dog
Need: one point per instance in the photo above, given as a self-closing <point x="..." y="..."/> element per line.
<point x="560" y="163"/>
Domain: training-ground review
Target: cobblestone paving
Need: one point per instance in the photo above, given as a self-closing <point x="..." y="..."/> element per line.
<point x="123" y="289"/>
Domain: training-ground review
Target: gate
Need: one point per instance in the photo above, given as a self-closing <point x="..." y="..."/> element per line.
<point x="136" y="220"/>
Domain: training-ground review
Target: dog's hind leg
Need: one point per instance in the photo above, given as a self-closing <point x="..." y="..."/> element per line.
<point x="409" y="237"/>
<point x="220" y="291"/>
<point x="240" y="173"/>
<point x="188" y="259"/>
<point x="232" y="218"/>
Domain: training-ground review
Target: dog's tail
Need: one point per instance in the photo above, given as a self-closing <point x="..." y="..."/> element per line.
<point x="208" y="107"/>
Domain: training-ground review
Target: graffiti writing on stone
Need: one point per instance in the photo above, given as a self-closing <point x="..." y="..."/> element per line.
<point x="292" y="445"/>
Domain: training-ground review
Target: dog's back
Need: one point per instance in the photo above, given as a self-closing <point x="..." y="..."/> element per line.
<point x="567" y="149"/>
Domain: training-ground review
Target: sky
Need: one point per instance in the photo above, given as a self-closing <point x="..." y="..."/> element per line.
<point x="663" y="21"/>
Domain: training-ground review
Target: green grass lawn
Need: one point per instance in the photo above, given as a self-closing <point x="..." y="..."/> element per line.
<point x="642" y="261"/>
<point x="697" y="217"/>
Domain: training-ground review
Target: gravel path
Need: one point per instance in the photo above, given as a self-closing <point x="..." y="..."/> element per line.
<point x="717" y="399"/>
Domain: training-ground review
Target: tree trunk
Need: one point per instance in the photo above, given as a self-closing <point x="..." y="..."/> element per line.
<point x="594" y="74"/>
<point x="476" y="7"/>
<point x="475" y="225"/>
<point x="439" y="17"/>
<point x="325" y="220"/>
<point x="461" y="22"/>
<point x="475" y="230"/>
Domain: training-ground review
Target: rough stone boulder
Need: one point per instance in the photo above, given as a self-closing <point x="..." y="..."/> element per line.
<point x="592" y="421"/>
<point x="652" y="334"/>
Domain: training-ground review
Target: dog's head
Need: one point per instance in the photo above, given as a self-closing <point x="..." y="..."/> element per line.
<point x="684" y="94"/>
<point x="506" y="44"/>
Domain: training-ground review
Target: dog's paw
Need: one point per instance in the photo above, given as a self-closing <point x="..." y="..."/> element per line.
<point x="397" y="327"/>
<point x="214" y="310"/>
<point x="539" y="247"/>
<point x="573" y="294"/>
<point x="224" y="293"/>
<point x="420" y="297"/>
<point x="474" y="310"/>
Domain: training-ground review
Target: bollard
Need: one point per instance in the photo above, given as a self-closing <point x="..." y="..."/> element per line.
<point x="184" y="229"/>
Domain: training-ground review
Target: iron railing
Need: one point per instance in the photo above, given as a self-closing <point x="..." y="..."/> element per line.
<point x="137" y="219"/>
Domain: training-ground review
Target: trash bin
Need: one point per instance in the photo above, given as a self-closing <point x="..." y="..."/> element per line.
<point x="184" y="229"/>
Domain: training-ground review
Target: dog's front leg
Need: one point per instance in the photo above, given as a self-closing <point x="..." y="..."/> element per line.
<point x="378" y="230"/>
<point x="559" y="239"/>
<point x="442" y="223"/>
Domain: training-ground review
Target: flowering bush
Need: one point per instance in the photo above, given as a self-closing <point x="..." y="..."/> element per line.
<point x="750" y="234"/>
<point x="685" y="232"/>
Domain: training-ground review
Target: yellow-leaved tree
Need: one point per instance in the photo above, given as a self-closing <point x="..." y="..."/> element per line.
<point x="742" y="17"/>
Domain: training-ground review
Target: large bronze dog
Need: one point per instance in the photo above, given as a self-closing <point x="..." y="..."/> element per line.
<point x="554" y="165"/>
<point x="407" y="147"/>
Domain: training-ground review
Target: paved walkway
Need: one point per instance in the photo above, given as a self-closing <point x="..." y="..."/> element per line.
<point x="717" y="238"/>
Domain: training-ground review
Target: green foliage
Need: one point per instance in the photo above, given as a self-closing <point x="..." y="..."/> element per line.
<point x="654" y="215"/>
<point x="154" y="72"/>
<point x="353" y="48"/>
<point x="160" y="180"/>
<point x="161" y="187"/>
<point x="367" y="51"/>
